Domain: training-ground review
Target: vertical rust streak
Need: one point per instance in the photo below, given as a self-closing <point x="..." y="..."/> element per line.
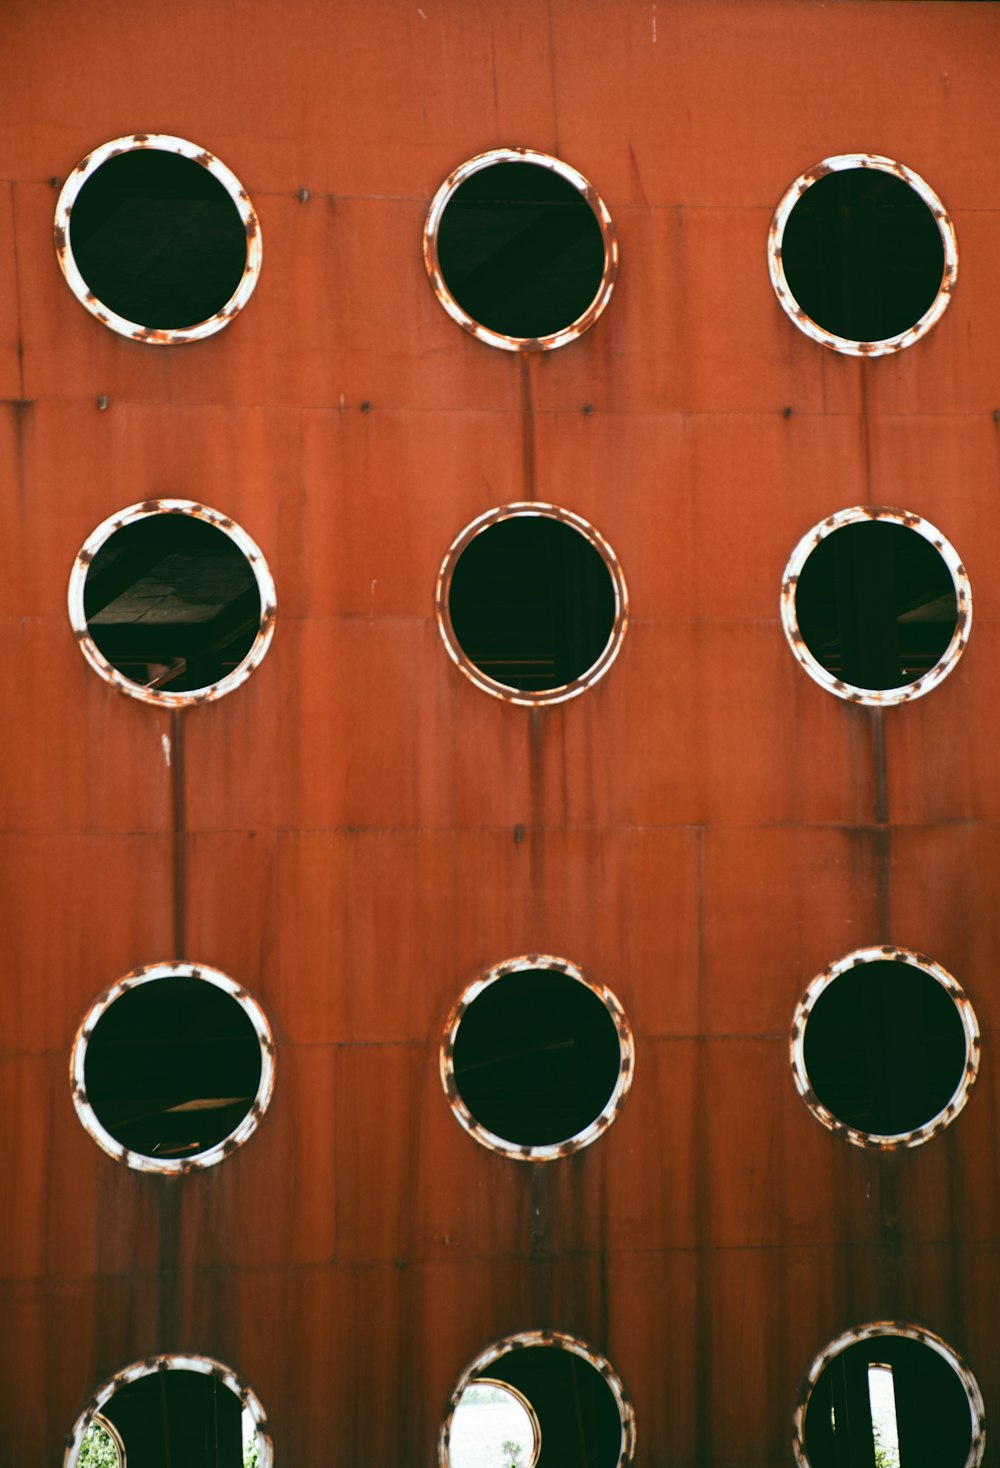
<point x="168" y="1212"/>
<point x="527" y="428"/>
<point x="552" y="78"/>
<point x="535" y="764"/>
<point x="892" y="1296"/>
<point x="887" y="1163"/>
<point x="957" y="1172"/>
<point x="865" y="426"/>
<point x="882" y="829"/>
<point x="705" y="1400"/>
<point x="178" y="819"/>
<point x="603" y="1324"/>
<point x="17" y="290"/>
<point x="169" y="1188"/>
<point x="540" y="1241"/>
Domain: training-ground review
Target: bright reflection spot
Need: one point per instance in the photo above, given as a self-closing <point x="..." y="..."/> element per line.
<point x="882" y="1397"/>
<point x="492" y="1427"/>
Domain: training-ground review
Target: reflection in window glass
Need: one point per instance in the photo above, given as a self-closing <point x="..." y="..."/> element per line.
<point x="172" y="603"/>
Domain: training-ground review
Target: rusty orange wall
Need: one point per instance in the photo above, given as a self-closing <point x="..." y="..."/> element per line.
<point x="699" y="830"/>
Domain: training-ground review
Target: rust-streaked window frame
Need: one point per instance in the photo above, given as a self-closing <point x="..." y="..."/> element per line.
<point x="858" y="957"/>
<point x="841" y="163"/>
<point x="551" y="1151"/>
<point x="163" y="698"/>
<point x="574" y="329"/>
<point x="461" y="659"/>
<point x="219" y="1151"/>
<point x="173" y="1361"/>
<point x="136" y="330"/>
<point x="850" y="692"/>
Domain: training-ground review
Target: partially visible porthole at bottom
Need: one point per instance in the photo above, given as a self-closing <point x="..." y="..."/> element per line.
<point x="889" y="1395"/>
<point x="172" y="1068"/>
<point x="540" y="1399"/>
<point x="172" y="1410"/>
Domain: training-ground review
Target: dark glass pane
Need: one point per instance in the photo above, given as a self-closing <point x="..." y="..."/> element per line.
<point x="532" y="603"/>
<point x="521" y="250"/>
<point x="172" y="602"/>
<point x="863" y="254"/>
<point x="876" y="604"/>
<point x="932" y="1413"/>
<point x="178" y="1419"/>
<point x="172" y="1067"/>
<point x="158" y="239"/>
<point x="885" y="1048"/>
<point x="537" y="1057"/>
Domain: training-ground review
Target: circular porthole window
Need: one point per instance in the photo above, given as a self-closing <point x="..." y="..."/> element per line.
<point x="545" y="1389"/>
<point x="862" y="255"/>
<point x="493" y="1421"/>
<point x="158" y="239"/>
<point x="172" y="1068"/>
<point x="520" y="249"/>
<point x="537" y="1059"/>
<point x="876" y="605"/>
<point x="531" y="603"/>
<point x="187" y="1401"/>
<point x="172" y="603"/>
<point x="102" y="1446"/>
<point x="885" y="1047"/>
<point x="889" y="1394"/>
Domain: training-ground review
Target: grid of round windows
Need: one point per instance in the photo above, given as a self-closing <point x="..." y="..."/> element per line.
<point x="173" y="1067"/>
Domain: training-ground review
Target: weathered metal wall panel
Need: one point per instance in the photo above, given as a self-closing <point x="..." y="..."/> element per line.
<point x="360" y="831"/>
